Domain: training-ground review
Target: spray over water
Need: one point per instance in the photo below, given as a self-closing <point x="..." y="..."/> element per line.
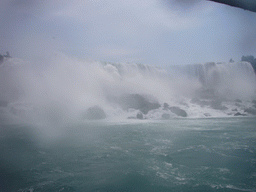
<point x="60" y="90"/>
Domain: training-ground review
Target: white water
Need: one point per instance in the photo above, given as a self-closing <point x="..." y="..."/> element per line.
<point x="229" y="80"/>
<point x="58" y="90"/>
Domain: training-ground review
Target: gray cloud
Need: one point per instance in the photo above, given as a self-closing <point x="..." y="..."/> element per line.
<point x="22" y="30"/>
<point x="147" y="30"/>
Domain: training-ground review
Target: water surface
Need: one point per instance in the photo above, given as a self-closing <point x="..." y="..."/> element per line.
<point x="217" y="154"/>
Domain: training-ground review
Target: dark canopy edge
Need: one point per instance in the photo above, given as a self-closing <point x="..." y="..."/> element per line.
<point x="244" y="4"/>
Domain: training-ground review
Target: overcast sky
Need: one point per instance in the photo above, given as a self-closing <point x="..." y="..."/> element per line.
<point x="157" y="32"/>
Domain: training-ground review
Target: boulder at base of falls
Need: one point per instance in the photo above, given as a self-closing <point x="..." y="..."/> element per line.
<point x="137" y="101"/>
<point x="207" y="114"/>
<point x="166" y="107"/>
<point x="139" y="115"/>
<point x="239" y="114"/>
<point x="178" y="111"/>
<point x="250" y="110"/>
<point x="94" y="113"/>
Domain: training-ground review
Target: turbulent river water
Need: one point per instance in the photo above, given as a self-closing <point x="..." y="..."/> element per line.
<point x="216" y="154"/>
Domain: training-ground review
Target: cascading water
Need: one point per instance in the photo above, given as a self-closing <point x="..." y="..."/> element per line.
<point x="228" y="80"/>
<point x="61" y="89"/>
